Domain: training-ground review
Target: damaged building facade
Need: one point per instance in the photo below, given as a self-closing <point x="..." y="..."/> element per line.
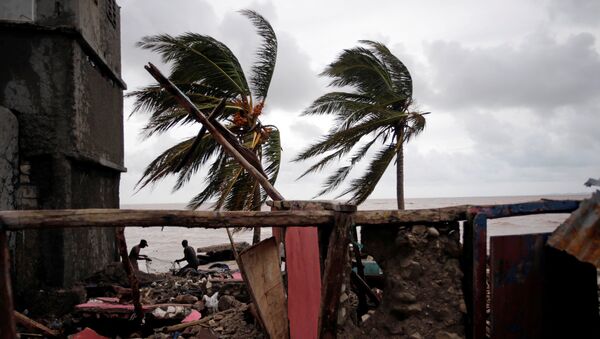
<point x="61" y="107"/>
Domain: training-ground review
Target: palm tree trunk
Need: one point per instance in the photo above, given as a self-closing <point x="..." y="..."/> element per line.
<point x="400" y="168"/>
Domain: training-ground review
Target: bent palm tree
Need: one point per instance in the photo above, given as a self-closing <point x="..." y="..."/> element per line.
<point x="209" y="74"/>
<point x="376" y="109"/>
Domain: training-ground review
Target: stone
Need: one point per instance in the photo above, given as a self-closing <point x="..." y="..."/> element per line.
<point x="462" y="307"/>
<point x="343" y="297"/>
<point x="395" y="328"/>
<point x="405" y="297"/>
<point x="433" y="232"/>
<point x="416" y="335"/>
<point x="186" y="299"/>
<point x="447" y="335"/>
<point x="419" y="229"/>
<point x="226" y="302"/>
<point x="404" y="311"/>
<point x="364" y="317"/>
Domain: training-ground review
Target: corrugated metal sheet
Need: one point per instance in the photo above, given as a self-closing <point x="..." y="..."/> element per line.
<point x="579" y="235"/>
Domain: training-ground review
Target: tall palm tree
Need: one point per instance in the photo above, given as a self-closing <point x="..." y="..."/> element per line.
<point x="372" y="107"/>
<point x="208" y="72"/>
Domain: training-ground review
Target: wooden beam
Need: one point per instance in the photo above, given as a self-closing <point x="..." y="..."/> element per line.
<point x="334" y="273"/>
<point x="131" y="274"/>
<point x="7" y="322"/>
<point x="34" y="325"/>
<point x="51" y="219"/>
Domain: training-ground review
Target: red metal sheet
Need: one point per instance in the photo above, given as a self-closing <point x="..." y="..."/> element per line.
<point x="304" y="281"/>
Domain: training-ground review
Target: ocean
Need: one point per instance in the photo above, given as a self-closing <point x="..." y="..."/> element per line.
<point x="165" y="244"/>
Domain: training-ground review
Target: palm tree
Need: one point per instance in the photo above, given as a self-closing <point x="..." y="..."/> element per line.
<point x="372" y="107"/>
<point x="208" y="72"/>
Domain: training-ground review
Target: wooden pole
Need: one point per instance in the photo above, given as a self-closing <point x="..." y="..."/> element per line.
<point x="230" y="147"/>
<point x="34" y="325"/>
<point x="131" y="274"/>
<point x="58" y="219"/>
<point x="334" y="273"/>
<point x="7" y="322"/>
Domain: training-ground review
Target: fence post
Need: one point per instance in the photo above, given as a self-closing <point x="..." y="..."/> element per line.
<point x="8" y="179"/>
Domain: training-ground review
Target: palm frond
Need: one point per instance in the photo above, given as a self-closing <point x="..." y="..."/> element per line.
<point x="362" y="187"/>
<point x="168" y="162"/>
<point x="262" y="71"/>
<point x="271" y="155"/>
<point x="197" y="58"/>
<point x="398" y="72"/>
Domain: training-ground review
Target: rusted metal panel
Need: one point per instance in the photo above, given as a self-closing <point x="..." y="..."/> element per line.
<point x="540" y="292"/>
<point x="479" y="275"/>
<point x="517" y="276"/>
<point x="527" y="208"/>
<point x="261" y="268"/>
<point x="579" y="235"/>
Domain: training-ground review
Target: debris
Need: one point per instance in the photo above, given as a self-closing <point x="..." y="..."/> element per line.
<point x="31" y="324"/>
<point x="87" y="333"/>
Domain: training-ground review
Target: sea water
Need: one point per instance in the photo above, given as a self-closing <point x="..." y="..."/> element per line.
<point x="165" y="243"/>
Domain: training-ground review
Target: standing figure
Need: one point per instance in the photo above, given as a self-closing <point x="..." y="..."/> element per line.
<point x="134" y="254"/>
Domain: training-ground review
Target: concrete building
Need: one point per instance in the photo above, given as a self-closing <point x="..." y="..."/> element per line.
<point x="60" y="78"/>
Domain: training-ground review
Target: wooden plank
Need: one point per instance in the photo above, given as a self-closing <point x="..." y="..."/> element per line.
<point x="479" y="275"/>
<point x="131" y="274"/>
<point x="335" y="273"/>
<point x="7" y="322"/>
<point x="517" y="278"/>
<point x="263" y="274"/>
<point x="34" y="325"/>
<point x="55" y="219"/>
<point x="304" y="281"/>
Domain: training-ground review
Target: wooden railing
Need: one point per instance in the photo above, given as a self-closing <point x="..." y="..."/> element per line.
<point x="83" y="218"/>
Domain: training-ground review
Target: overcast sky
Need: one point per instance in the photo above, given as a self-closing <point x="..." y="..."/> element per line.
<point x="513" y="88"/>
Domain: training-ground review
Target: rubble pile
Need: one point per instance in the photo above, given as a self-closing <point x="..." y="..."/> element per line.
<point x="206" y="303"/>
<point x="422" y="267"/>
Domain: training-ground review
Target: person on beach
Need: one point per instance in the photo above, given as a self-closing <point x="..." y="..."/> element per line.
<point x="189" y="255"/>
<point x="134" y="254"/>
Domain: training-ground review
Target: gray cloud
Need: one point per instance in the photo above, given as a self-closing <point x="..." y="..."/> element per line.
<point x="540" y="72"/>
<point x="575" y="12"/>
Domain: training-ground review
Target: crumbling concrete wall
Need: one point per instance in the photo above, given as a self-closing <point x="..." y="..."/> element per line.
<point x="9" y="145"/>
<point x="63" y="85"/>
<point x="423" y="282"/>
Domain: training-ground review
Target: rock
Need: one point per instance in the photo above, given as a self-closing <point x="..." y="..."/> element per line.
<point x="186" y="299"/>
<point x="226" y="302"/>
<point x="364" y="317"/>
<point x="395" y="328"/>
<point x="343" y="297"/>
<point x="416" y="335"/>
<point x="462" y="307"/>
<point x="447" y="335"/>
<point x="419" y="229"/>
<point x="405" y="297"/>
<point x="433" y="232"/>
<point x="404" y="311"/>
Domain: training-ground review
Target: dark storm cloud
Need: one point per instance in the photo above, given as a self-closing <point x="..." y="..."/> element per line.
<point x="540" y="72"/>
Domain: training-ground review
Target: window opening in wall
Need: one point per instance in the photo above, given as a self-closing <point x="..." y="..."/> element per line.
<point x="111" y="12"/>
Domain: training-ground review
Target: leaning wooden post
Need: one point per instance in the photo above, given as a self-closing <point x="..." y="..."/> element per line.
<point x="131" y="274"/>
<point x="7" y="320"/>
<point x="335" y="273"/>
<point x="236" y="151"/>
